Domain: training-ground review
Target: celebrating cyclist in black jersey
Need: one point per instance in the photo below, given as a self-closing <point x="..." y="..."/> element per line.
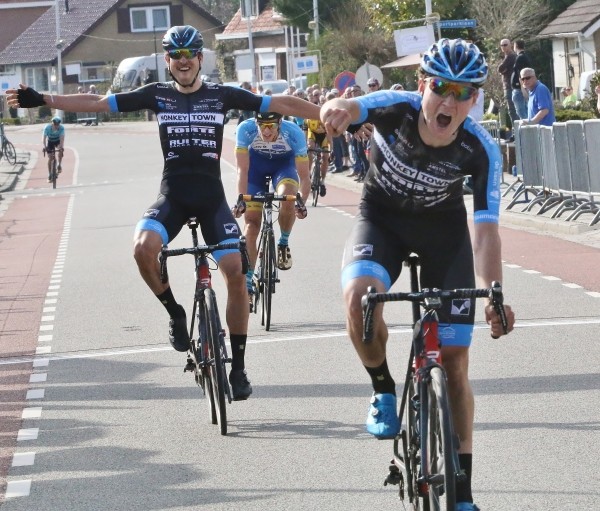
<point x="190" y="115"/>
<point x="421" y="148"/>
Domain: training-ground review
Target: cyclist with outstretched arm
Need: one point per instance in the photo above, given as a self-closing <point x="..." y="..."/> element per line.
<point x="422" y="146"/>
<point x="190" y="115"/>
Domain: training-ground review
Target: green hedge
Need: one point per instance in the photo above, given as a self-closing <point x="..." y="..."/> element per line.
<point x="573" y="115"/>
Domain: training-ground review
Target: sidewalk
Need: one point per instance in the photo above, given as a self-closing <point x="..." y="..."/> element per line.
<point x="9" y="174"/>
<point x="577" y="231"/>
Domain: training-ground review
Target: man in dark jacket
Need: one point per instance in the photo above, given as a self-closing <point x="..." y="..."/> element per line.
<point x="506" y="69"/>
<point x="522" y="61"/>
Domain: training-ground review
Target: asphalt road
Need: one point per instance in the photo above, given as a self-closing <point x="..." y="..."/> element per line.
<point x="112" y="422"/>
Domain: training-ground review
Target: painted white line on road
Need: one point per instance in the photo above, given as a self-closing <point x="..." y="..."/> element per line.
<point x="51" y="293"/>
<point x="18" y="488"/>
<point x="49" y="309"/>
<point x="548" y="277"/>
<point x="46" y="328"/>
<point x="35" y="394"/>
<point x="43" y="350"/>
<point x="50" y="300"/>
<point x="41" y="362"/>
<point x="45" y="338"/>
<point x="47" y="318"/>
<point x="512" y="266"/>
<point x="23" y="459"/>
<point x="28" y="434"/>
<point x="593" y="294"/>
<point x="38" y="377"/>
<point x="32" y="412"/>
<point x="533" y="272"/>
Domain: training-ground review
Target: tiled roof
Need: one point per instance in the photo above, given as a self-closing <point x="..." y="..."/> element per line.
<point x="579" y="17"/>
<point x="37" y="44"/>
<point x="264" y="22"/>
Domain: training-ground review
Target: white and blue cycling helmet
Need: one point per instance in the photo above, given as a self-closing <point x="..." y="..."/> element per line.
<point x="183" y="37"/>
<point x="455" y="60"/>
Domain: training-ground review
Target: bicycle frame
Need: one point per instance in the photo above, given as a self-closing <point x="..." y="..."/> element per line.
<point x="266" y="274"/>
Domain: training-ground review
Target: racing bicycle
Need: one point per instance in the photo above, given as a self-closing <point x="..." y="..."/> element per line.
<point x="425" y="463"/>
<point x="207" y="355"/>
<point x="53" y="175"/>
<point x="266" y="274"/>
<point x="7" y="149"/>
<point x="315" y="173"/>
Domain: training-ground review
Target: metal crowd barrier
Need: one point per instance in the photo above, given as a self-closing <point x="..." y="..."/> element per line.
<point x="559" y="167"/>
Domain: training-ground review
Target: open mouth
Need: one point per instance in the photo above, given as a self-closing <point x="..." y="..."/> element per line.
<point x="443" y="120"/>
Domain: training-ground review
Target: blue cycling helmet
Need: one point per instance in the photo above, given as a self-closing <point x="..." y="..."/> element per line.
<point x="56" y="120"/>
<point x="455" y="60"/>
<point x="183" y="36"/>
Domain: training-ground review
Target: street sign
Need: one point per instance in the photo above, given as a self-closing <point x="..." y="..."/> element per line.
<point x="344" y="80"/>
<point x="457" y="23"/>
<point x="305" y="65"/>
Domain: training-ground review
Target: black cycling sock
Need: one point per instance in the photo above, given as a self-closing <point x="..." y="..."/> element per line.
<point x="168" y="300"/>
<point x="382" y="380"/>
<point x="463" y="488"/>
<point x="238" y="350"/>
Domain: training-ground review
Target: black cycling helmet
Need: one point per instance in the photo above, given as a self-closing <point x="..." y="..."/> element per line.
<point x="455" y="60"/>
<point x="267" y="116"/>
<point x="183" y="37"/>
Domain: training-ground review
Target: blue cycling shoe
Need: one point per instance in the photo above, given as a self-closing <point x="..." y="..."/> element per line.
<point x="466" y="506"/>
<point x="382" y="421"/>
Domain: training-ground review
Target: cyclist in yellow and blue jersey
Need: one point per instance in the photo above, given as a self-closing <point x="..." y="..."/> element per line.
<point x="268" y="145"/>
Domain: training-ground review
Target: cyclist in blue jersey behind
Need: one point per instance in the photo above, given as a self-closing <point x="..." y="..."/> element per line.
<point x="422" y="146"/>
<point x="268" y="145"/>
<point x="190" y="115"/>
<point x="53" y="141"/>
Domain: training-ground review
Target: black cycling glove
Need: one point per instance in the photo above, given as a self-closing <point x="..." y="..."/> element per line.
<point x="29" y="98"/>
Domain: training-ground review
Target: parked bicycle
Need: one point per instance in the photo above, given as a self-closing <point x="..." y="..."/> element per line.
<point x="7" y="149"/>
<point x="425" y="462"/>
<point x="266" y="274"/>
<point x="53" y="173"/>
<point x="315" y="173"/>
<point x="207" y="356"/>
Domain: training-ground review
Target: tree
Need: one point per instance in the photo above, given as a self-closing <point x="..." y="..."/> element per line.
<point x="299" y="12"/>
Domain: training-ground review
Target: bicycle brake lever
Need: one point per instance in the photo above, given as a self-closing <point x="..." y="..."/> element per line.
<point x="498" y="303"/>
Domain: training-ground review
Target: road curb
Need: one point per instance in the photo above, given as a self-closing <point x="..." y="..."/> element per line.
<point x="9" y="174"/>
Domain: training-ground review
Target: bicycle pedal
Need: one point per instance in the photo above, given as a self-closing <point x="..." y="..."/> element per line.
<point x="189" y="366"/>
<point x="394" y="476"/>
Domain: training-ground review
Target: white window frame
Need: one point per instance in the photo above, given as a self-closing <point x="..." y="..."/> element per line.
<point x="253" y="9"/>
<point x="149" y="11"/>
<point x="8" y="69"/>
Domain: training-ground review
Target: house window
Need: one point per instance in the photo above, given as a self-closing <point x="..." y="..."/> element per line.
<point x="7" y="69"/>
<point x="147" y="19"/>
<point x="37" y="78"/>
<point x="249" y="6"/>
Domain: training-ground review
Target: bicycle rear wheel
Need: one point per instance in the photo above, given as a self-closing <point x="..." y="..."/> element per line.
<point x="9" y="152"/>
<point x="441" y="450"/>
<point x="217" y="362"/>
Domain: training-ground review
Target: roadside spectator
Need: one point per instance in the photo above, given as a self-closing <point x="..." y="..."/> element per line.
<point x="506" y="69"/>
<point x="540" y="108"/>
<point x="373" y="84"/>
<point x="80" y="90"/>
<point x="268" y="92"/>
<point x="522" y="61"/>
<point x="93" y="89"/>
<point x="397" y="86"/>
<point x="569" y="97"/>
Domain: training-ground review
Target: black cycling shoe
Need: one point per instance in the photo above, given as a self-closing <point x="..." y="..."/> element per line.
<point x="178" y="334"/>
<point x="240" y="386"/>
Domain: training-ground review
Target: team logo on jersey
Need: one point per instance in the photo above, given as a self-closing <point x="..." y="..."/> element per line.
<point x="447" y="334"/>
<point x="231" y="228"/>
<point x="153" y="213"/>
<point x="213" y="156"/>
<point x="362" y="250"/>
<point x="461" y="307"/>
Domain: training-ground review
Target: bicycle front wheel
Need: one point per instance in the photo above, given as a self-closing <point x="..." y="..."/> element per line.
<point x="315" y="181"/>
<point x="54" y="173"/>
<point x="216" y="357"/>
<point x="269" y="256"/>
<point x="441" y="449"/>
<point x="9" y="152"/>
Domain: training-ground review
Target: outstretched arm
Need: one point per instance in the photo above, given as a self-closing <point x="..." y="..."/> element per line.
<point x="337" y="114"/>
<point x="26" y="97"/>
<point x="291" y="105"/>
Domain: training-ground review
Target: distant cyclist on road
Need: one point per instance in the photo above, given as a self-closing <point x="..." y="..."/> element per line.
<point x="422" y="147"/>
<point x="318" y="138"/>
<point x="268" y="145"/>
<point x="54" y="143"/>
<point x="190" y="115"/>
